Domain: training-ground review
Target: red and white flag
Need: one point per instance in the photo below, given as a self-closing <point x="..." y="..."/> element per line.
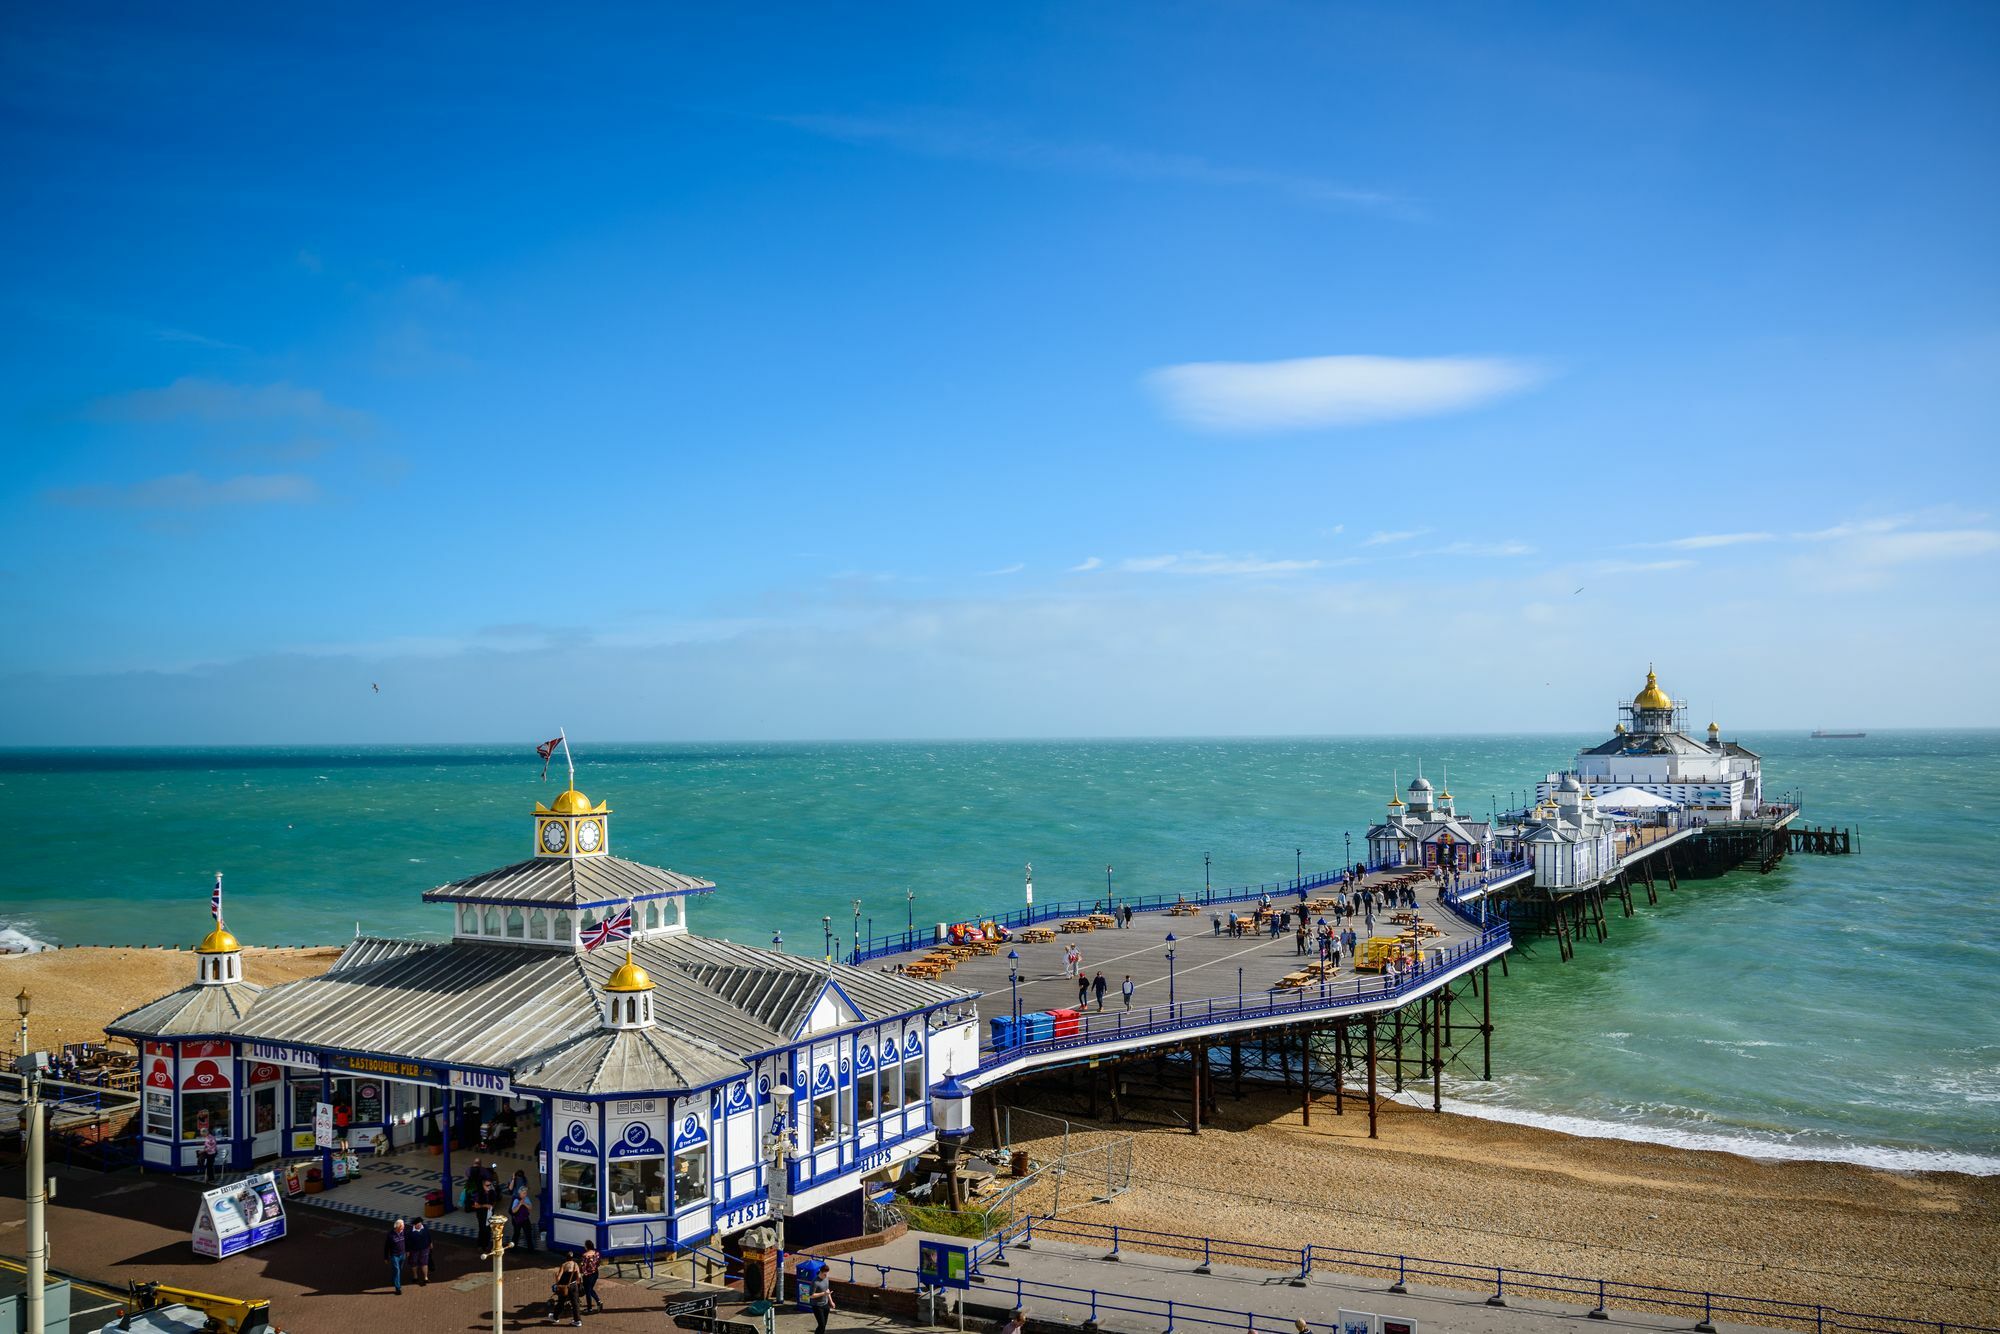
<point x="215" y="900"/>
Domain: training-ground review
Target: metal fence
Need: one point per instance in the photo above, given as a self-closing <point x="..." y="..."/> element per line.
<point x="1498" y="1281"/>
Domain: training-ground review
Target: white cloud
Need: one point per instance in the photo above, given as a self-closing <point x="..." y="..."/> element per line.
<point x="1244" y="396"/>
<point x="219" y="401"/>
<point x="1705" y="541"/>
<point x="940" y="135"/>
<point x="1940" y="544"/>
<point x="1855" y="528"/>
<point x="187" y="490"/>
<point x="1640" y="566"/>
<point x="1086" y="565"/>
<point x="1015" y="568"/>
<point x="1209" y="562"/>
<point x="1482" y="549"/>
<point x="1401" y="535"/>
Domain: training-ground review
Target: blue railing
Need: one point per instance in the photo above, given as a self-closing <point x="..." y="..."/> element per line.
<point x="1497" y="1281"/>
<point x="1121" y="1025"/>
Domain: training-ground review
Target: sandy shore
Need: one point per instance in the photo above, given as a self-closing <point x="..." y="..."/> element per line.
<point x="1485" y="1192"/>
<point x="1917" y="1244"/>
<point x="76" y="992"/>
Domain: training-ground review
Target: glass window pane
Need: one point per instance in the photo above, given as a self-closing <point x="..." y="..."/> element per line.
<point x="576" y="1186"/>
<point x="892" y="1087"/>
<point x="637" y="1186"/>
<point x="913" y="1080"/>
<point x="690" y="1177"/>
<point x="204" y="1112"/>
<point x="864" y="1097"/>
<point x="823" y="1123"/>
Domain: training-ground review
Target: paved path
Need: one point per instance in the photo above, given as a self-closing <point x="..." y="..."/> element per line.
<point x="1236" y="1298"/>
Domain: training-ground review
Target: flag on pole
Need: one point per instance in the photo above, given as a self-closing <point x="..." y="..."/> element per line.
<point x="215" y="900"/>
<point x="610" y="929"/>
<point x="546" y="750"/>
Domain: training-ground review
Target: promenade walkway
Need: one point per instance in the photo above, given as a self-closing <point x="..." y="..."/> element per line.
<point x="1133" y="1295"/>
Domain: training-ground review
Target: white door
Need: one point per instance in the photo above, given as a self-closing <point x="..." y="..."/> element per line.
<point x="266" y="1128"/>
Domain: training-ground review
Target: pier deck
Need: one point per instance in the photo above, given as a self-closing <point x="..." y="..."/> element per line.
<point x="1216" y="984"/>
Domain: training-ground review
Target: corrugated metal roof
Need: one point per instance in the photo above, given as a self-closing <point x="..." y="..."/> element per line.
<point x="780" y="989"/>
<point x="373" y="949"/>
<point x="193" y="1010"/>
<point x="568" y="882"/>
<point x="629" y="1061"/>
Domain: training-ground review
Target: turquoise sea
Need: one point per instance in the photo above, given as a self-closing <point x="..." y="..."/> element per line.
<point x="1840" y="1007"/>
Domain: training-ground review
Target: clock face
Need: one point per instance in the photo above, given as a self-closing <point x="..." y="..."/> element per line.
<point x="555" y="835"/>
<point x="589" y="834"/>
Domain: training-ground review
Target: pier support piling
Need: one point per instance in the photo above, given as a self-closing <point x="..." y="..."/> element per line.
<point x="1306" y="1078"/>
<point x="1371" y="1076"/>
<point x="1486" y="1022"/>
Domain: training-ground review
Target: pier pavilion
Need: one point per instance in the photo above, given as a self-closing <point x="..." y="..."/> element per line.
<point x="669" y="1087"/>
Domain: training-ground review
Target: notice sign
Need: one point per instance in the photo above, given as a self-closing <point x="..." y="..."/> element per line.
<point x="236" y="1217"/>
<point x="323" y="1125"/>
<point x="943" y="1265"/>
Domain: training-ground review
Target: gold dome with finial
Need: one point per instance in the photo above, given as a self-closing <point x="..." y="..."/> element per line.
<point x="573" y="802"/>
<point x="1652" y="697"/>
<point x="629" y="977"/>
<point x="218" y="941"/>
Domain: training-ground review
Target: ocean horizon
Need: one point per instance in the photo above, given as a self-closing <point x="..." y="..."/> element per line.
<point x="1829" y="1009"/>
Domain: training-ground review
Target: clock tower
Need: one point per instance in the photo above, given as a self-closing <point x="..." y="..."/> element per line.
<point x="571" y="827"/>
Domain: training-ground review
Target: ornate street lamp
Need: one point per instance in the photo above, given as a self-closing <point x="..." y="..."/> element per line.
<point x="1014" y="984"/>
<point x="1170" y="969"/>
<point x="910" y="913"/>
<point x="951" y="1114"/>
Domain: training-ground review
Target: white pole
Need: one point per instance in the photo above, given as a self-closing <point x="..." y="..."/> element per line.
<point x="568" y="758"/>
<point x="37" y="1191"/>
<point x="497" y="1225"/>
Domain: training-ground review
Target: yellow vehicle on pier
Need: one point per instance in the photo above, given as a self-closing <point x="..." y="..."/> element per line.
<point x="1373" y="954"/>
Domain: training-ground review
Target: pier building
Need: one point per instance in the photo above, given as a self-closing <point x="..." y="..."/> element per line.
<point x="1427" y="831"/>
<point x="661" y="1086"/>
<point x="1651" y="750"/>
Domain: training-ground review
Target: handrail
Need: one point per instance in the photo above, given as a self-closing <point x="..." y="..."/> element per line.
<point x="1500" y="1278"/>
<point x="1120" y="1025"/>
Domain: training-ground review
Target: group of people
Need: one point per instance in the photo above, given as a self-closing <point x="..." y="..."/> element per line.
<point x="1332" y="942"/>
<point x="407" y="1251"/>
<point x="483" y="1194"/>
<point x="1086" y="987"/>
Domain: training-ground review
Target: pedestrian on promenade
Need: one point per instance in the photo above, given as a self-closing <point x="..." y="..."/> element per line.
<point x="587" y="1264"/>
<point x="482" y="1199"/>
<point x="520" y="1181"/>
<point x="417" y="1247"/>
<point x="1098" y="985"/>
<point x="1336" y="954"/>
<point x="1082" y="992"/>
<point x="565" y="1292"/>
<point x="522" y="1214"/>
<point x="1127" y="991"/>
<point x="821" y="1300"/>
<point x="1300" y="937"/>
<point x="1215" y="921"/>
<point x="395" y="1247"/>
<point x="206" y="1154"/>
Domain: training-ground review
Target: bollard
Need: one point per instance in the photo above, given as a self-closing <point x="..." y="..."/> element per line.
<point x="1497" y="1299"/>
<point x="1707" y="1325"/>
<point x="1400" y="1286"/>
<point x="1600" y="1313"/>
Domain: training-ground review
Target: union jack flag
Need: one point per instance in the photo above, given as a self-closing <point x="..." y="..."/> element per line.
<point x="545" y="750"/>
<point x="610" y="929"/>
<point x="215" y="900"/>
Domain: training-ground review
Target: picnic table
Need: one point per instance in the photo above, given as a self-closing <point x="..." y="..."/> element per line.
<point x="1037" y="935"/>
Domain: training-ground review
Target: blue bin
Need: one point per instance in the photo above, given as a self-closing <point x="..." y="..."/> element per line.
<point x="1037" y="1027"/>
<point x="1006" y="1033"/>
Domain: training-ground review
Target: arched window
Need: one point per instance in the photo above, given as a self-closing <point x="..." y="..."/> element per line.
<point x="517" y="927"/>
<point x="653" y="915"/>
<point x="492" y="921"/>
<point x="562" y="926"/>
<point x="468" y="919"/>
<point x="538" y="925"/>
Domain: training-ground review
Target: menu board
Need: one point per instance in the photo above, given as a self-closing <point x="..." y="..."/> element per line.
<point x="367" y="1102"/>
<point x="238" y="1216"/>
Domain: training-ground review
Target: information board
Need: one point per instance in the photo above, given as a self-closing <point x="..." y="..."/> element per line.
<point x="943" y="1265"/>
<point x="322" y="1125"/>
<point x="238" y="1216"/>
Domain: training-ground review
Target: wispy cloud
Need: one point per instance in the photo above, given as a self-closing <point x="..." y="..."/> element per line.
<point x="941" y="135"/>
<point x="220" y="401"/>
<point x="1015" y="568"/>
<point x="1481" y="549"/>
<point x="1247" y="396"/>
<point x="189" y="491"/>
<point x="1640" y="566"/>
<point x="1856" y="528"/>
<point x="1400" y="535"/>
<point x="1209" y="562"/>
<point x="1937" y="544"/>
<point x="1086" y="565"/>
<point x="1708" y="541"/>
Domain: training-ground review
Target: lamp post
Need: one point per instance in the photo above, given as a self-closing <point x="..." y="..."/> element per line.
<point x="826" y="936"/>
<point x="1298" y="867"/>
<point x="910" y="911"/>
<point x="1107" y="886"/>
<point x="951" y="1113"/>
<point x="1170" y="970"/>
<point x="497" y="1228"/>
<point x="1030" y="892"/>
<point x="1204" y="877"/>
<point x="1347" y="838"/>
<point x="857" y="928"/>
<point x="37" y="1183"/>
<point x="1014" y="983"/>
<point x="778" y="1175"/>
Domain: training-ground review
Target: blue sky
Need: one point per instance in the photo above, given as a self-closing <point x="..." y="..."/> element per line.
<point x="817" y="371"/>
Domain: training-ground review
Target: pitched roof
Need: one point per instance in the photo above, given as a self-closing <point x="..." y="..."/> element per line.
<point x="194" y="1010"/>
<point x="568" y="882"/>
<point x="629" y="1061"/>
<point x="781" y="989"/>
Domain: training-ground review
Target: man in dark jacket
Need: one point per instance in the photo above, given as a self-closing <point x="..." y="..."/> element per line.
<point x="394" y="1247"/>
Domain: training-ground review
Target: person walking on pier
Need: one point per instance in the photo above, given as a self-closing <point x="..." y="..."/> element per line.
<point x="1082" y="991"/>
<point x="1300" y="937"/>
<point x="417" y="1247"/>
<point x="1126" y="990"/>
<point x="522" y="1214"/>
<point x="1334" y="958"/>
<point x="1072" y="960"/>
<point x="1098" y="985"/>
<point x="395" y="1247"/>
<point x="1128" y="914"/>
<point x="587" y="1264"/>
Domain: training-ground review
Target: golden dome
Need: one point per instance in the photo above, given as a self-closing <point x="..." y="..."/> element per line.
<point x="1715" y="727"/>
<point x="1620" y="729"/>
<point x="1395" y="800"/>
<point x="1652" y="697"/>
<point x="218" y="941"/>
<point x="571" y="802"/>
<point x="629" y="977"/>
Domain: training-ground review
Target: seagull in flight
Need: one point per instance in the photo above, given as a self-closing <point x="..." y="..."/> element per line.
<point x="1579" y="590"/>
<point x="375" y="687"/>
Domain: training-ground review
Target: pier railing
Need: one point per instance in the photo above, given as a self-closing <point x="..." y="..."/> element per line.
<point x="1498" y="1281"/>
<point x="1111" y="1026"/>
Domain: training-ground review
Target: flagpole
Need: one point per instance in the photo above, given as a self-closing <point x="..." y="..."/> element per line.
<point x="568" y="758"/>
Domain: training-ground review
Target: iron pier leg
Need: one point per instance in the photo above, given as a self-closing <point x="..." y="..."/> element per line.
<point x="1399" y="1049"/>
<point x="1340" y="1068"/>
<point x="1236" y="1064"/>
<point x="1486" y="1018"/>
<point x="1194" y="1126"/>
<point x="1306" y="1079"/>
<point x="1371" y="1076"/>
